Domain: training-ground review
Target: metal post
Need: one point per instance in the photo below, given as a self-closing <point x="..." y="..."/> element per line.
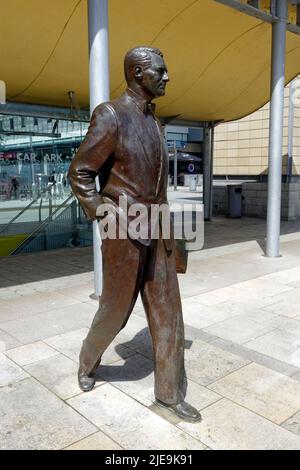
<point x="276" y="129"/>
<point x="212" y="136"/>
<point x="50" y="203"/>
<point x="207" y="171"/>
<point x="33" y="187"/>
<point x="289" y="169"/>
<point x="99" y="92"/>
<point x="45" y="165"/>
<point x="175" y="166"/>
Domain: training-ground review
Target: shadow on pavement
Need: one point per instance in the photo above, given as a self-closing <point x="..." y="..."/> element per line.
<point x="135" y="367"/>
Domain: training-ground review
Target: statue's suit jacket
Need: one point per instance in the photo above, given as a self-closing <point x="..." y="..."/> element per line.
<point x="125" y="145"/>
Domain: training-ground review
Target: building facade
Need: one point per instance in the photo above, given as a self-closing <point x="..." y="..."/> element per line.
<point x="241" y="151"/>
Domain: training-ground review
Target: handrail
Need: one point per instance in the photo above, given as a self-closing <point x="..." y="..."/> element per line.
<point x="23" y="210"/>
<point x="41" y="225"/>
<point x="40" y="210"/>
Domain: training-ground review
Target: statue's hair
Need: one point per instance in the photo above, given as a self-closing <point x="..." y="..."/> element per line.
<point x="138" y="56"/>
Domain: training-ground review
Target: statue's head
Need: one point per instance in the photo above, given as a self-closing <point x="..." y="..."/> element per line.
<point x="145" y="70"/>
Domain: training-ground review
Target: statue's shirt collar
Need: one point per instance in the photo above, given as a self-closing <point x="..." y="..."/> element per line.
<point x="144" y="105"/>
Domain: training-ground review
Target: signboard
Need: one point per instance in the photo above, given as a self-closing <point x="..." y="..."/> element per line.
<point x="31" y="157"/>
<point x="191" y="169"/>
<point x="179" y="144"/>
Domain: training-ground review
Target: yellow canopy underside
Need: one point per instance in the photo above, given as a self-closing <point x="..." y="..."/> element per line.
<point x="218" y="58"/>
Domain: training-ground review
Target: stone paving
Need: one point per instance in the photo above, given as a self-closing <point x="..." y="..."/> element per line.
<point x="242" y="317"/>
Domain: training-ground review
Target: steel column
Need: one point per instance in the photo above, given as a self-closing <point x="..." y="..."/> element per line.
<point x="175" y="166"/>
<point x="99" y="92"/>
<point x="289" y="169"/>
<point x="276" y="130"/>
<point x="207" y="172"/>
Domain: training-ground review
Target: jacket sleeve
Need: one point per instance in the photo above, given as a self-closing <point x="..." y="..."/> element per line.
<point x="96" y="147"/>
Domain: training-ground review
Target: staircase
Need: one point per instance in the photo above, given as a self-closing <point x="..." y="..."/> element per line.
<point x="66" y="225"/>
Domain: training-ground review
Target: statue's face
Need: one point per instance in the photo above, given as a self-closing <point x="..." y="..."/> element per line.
<point x="154" y="78"/>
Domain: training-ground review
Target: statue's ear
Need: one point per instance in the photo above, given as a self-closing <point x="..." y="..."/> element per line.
<point x="138" y="72"/>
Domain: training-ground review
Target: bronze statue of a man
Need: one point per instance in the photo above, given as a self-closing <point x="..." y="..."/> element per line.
<point x="125" y="145"/>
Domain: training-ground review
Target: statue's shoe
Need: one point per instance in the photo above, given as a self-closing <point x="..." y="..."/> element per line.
<point x="86" y="382"/>
<point x="183" y="410"/>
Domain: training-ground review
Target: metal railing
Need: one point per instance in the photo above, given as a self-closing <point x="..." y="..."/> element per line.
<point x="54" y="231"/>
<point x="6" y="228"/>
<point x="47" y="192"/>
<point x="36" y="210"/>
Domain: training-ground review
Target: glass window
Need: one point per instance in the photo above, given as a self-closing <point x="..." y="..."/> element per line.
<point x="35" y="153"/>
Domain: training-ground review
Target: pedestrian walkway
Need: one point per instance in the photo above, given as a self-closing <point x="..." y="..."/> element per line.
<point x="242" y="349"/>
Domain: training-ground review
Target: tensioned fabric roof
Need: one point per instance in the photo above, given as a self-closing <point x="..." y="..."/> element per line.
<point x="218" y="58"/>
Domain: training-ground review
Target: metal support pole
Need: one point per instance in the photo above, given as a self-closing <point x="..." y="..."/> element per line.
<point x="276" y="129"/>
<point x="33" y="186"/>
<point x="50" y="204"/>
<point x="99" y="92"/>
<point x="207" y="172"/>
<point x="45" y="165"/>
<point x="175" y="166"/>
<point x="289" y="169"/>
<point x="212" y="136"/>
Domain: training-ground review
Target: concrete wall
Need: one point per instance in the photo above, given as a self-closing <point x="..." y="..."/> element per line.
<point x="254" y="200"/>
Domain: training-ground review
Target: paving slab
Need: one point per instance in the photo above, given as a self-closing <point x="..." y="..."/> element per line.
<point x="133" y="327"/>
<point x="239" y="330"/>
<point x="97" y="441"/>
<point x="266" y="288"/>
<point x="200" y="315"/>
<point x="206" y="363"/>
<point x="32" y="304"/>
<point x="192" y="333"/>
<point x="296" y="376"/>
<point x="191" y="285"/>
<point x="295" y="284"/>
<point x="291" y="325"/>
<point x="9" y="371"/>
<point x="268" y="393"/>
<point x="136" y="336"/>
<point x="70" y="344"/>
<point x="81" y="292"/>
<point x="130" y="424"/>
<point x="254" y="356"/>
<point x="238" y="309"/>
<point x="285" y="276"/>
<point x="57" y="373"/>
<point x="231" y="291"/>
<point x="293" y="424"/>
<point x="253" y="293"/>
<point x="135" y="377"/>
<point x="279" y="344"/>
<point x="228" y="426"/>
<point x="209" y="298"/>
<point x="287" y="308"/>
<point x="7" y="294"/>
<point x="200" y="397"/>
<point x="34" y="418"/>
<point x="139" y="311"/>
<point x="31" y="353"/>
<point x="47" y="324"/>
<point x="7" y="341"/>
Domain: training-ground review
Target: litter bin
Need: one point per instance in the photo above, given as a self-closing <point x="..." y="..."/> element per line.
<point x="234" y="201"/>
